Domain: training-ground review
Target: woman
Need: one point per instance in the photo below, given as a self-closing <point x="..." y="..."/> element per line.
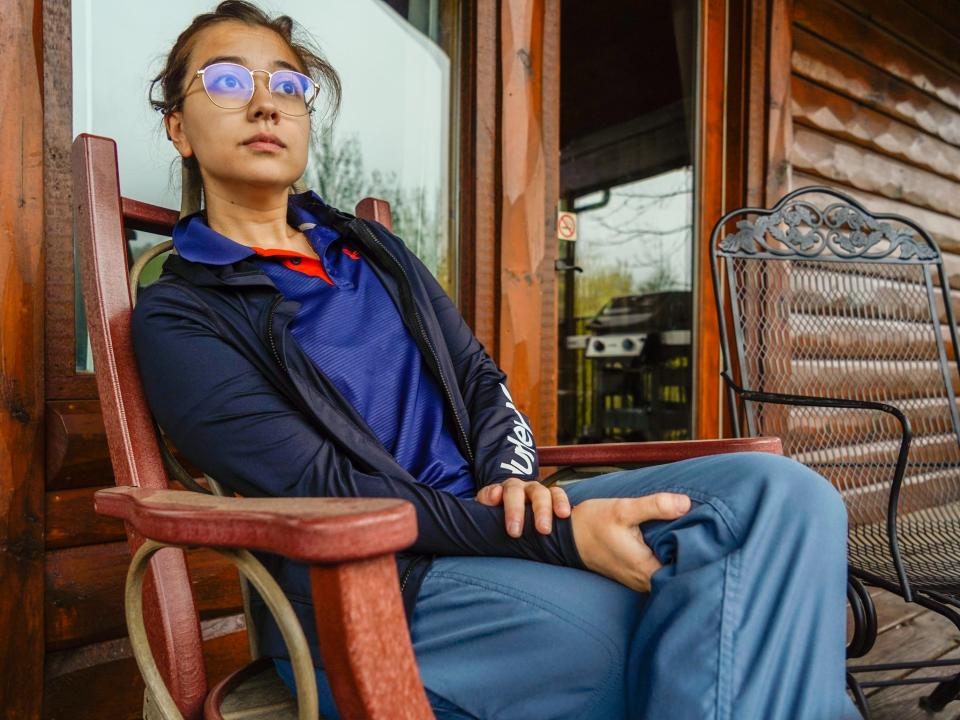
<point x="292" y="349"/>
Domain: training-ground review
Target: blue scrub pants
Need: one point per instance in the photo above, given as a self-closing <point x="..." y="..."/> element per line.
<point x="746" y="619"/>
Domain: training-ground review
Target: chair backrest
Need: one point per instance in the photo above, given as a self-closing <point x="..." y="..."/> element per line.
<point x="100" y="220"/>
<point x="825" y="299"/>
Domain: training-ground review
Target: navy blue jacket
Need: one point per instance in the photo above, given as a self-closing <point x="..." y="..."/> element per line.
<point x="241" y="400"/>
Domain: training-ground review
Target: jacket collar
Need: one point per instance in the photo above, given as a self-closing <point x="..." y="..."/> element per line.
<point x="206" y="258"/>
<point x="198" y="242"/>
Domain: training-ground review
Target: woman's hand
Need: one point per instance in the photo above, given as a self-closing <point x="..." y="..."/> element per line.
<point x="608" y="538"/>
<point x="513" y="493"/>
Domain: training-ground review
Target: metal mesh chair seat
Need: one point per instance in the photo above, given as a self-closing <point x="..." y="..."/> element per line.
<point x="928" y="549"/>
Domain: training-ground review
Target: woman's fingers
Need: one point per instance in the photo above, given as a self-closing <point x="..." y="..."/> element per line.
<point x="561" y="503"/>
<point x="490" y="494"/>
<point x="514" y="502"/>
<point x="514" y="493"/>
<point x="541" y="499"/>
<point x="609" y="539"/>
<point x="659" y="506"/>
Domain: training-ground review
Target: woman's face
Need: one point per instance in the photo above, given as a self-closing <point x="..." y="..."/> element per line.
<point x="220" y="139"/>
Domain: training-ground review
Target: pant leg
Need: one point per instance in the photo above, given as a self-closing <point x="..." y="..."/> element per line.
<point x="747" y="619"/>
<point x="517" y="640"/>
<point x="442" y="708"/>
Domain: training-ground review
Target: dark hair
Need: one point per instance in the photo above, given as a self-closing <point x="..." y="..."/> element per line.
<point x="172" y="78"/>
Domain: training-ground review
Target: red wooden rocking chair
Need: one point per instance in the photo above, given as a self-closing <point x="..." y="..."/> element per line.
<point x="349" y="543"/>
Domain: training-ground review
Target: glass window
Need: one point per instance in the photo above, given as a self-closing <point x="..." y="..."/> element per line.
<point x="392" y="140"/>
<point x="626" y="169"/>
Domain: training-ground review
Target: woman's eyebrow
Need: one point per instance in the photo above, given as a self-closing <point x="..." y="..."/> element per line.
<point x="242" y="61"/>
<point x="223" y="58"/>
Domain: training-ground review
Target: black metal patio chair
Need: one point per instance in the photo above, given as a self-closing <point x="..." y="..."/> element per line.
<point x="838" y="336"/>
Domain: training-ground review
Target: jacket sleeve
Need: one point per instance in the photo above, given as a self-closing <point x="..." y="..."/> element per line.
<point x="226" y="417"/>
<point x="500" y="432"/>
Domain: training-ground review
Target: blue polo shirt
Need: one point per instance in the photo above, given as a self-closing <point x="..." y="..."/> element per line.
<point x="351" y="329"/>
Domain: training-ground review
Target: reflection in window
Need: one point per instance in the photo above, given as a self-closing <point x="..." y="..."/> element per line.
<point x="626" y="283"/>
<point x="392" y="139"/>
<point x="637" y="240"/>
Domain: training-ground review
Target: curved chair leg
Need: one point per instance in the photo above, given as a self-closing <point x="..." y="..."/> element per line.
<point x="864" y="618"/>
<point x="858" y="697"/>
<point x="947" y="690"/>
<point x="942" y="694"/>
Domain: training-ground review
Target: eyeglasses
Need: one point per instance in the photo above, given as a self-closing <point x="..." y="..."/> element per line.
<point x="230" y="86"/>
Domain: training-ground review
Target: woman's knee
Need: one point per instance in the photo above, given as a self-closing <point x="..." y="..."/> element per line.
<point x="797" y="494"/>
<point x="738" y="485"/>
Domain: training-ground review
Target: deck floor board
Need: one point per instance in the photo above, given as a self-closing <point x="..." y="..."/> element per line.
<point x="908" y="632"/>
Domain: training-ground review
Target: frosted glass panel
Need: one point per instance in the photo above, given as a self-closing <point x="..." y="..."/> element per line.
<point x="392" y="138"/>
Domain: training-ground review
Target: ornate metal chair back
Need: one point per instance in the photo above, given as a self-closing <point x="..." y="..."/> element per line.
<point x="827" y="300"/>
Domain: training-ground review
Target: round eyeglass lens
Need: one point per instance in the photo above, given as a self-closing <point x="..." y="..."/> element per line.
<point x="228" y="85"/>
<point x="292" y="91"/>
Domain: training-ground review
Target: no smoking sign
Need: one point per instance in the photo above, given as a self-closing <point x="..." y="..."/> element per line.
<point x="566" y="225"/>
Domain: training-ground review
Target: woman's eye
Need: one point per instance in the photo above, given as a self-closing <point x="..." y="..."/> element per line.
<point x="287" y="84"/>
<point x="228" y="82"/>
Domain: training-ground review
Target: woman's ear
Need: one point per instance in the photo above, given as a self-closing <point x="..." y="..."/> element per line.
<point x="173" y="121"/>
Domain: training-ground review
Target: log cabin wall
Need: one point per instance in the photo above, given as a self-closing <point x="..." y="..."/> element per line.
<point x="860" y="95"/>
<point x="864" y="96"/>
<point x="875" y="109"/>
<point x="21" y="359"/>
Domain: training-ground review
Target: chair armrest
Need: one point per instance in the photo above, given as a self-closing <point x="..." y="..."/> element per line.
<point x="349" y="542"/>
<point x="896" y="484"/>
<point x="313" y="530"/>
<point x="819" y="401"/>
<point x="651" y="453"/>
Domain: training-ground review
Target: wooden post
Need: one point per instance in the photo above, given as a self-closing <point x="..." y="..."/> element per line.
<point x="529" y="191"/>
<point x="479" y="168"/>
<point x="779" y="103"/>
<point x="21" y="360"/>
<point x="709" y="166"/>
<point x="742" y="157"/>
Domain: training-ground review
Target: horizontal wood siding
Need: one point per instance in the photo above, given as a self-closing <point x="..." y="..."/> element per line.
<point x="102" y="681"/>
<point x="85" y="567"/>
<point x="875" y="98"/>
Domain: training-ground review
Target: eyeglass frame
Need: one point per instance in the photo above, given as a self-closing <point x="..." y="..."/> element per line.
<point x="199" y="74"/>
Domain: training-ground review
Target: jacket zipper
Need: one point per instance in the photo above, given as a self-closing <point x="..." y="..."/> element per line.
<point x="409" y="570"/>
<point x="406" y="574"/>
<point x="273" y="344"/>
<point x="276" y="354"/>
<point x="426" y="338"/>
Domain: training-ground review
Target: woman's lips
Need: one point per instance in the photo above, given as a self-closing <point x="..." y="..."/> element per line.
<point x="264" y="142"/>
<point x="264" y="146"/>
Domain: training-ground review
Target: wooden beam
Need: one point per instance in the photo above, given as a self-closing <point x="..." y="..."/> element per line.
<point x="530" y="96"/>
<point x="550" y="316"/>
<point x="21" y="361"/>
<point x="479" y="172"/>
<point x="779" y="102"/>
<point x="62" y="382"/>
<point x="746" y="132"/>
<point x="709" y="168"/>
